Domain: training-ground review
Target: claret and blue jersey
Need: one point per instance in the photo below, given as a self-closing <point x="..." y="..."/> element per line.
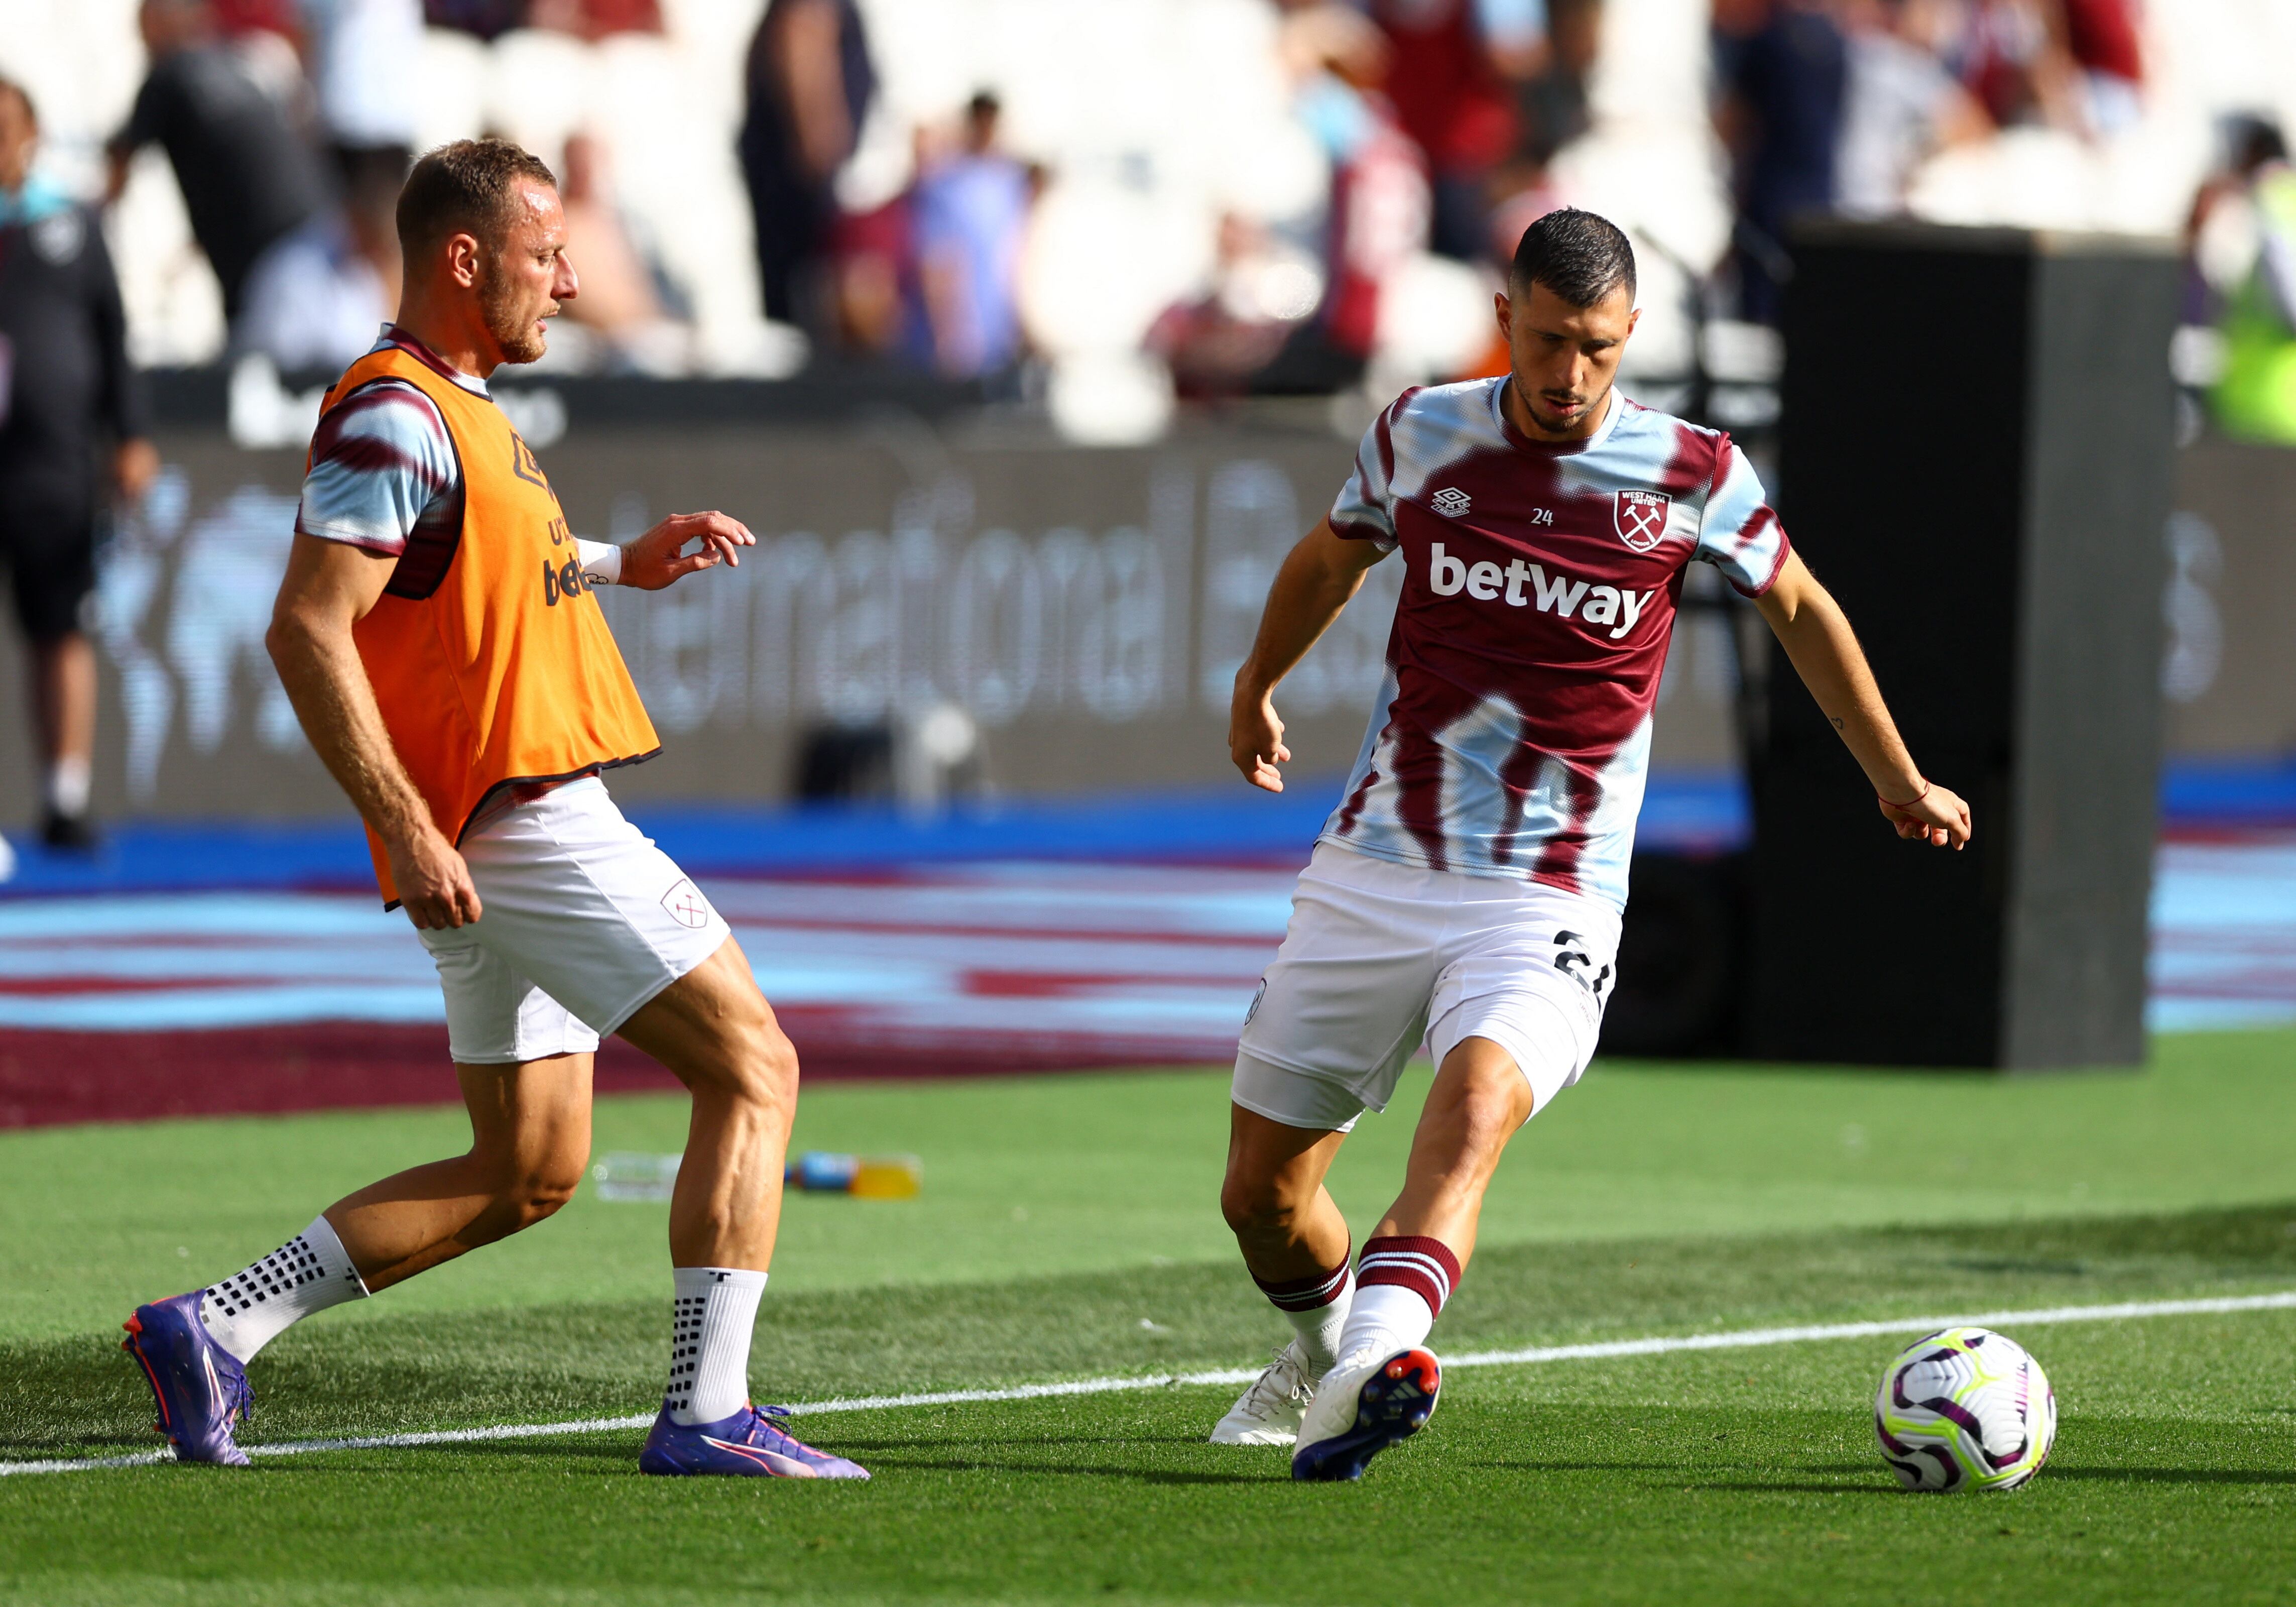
<point x="1513" y="730"/>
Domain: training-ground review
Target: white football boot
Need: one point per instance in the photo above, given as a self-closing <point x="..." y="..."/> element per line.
<point x="1364" y="1405"/>
<point x="1269" y="1412"/>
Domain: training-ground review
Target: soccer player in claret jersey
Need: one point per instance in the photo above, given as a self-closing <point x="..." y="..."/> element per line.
<point x="436" y="634"/>
<point x="1469" y="887"/>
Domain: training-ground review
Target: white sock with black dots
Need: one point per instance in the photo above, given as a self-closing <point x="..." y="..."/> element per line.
<point x="710" y="1342"/>
<point x="310" y="1272"/>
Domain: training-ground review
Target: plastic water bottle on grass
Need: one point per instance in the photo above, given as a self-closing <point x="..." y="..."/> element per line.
<point x="625" y="1175"/>
<point x="863" y="1177"/>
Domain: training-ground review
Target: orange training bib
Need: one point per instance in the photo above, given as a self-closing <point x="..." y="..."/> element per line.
<point x="503" y="671"/>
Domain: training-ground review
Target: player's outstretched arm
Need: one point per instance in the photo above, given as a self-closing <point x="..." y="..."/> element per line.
<point x="659" y="557"/>
<point x="1318" y="576"/>
<point x="1816" y="633"/>
<point x="329" y="587"/>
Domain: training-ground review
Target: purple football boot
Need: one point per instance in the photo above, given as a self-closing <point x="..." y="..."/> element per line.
<point x="745" y="1445"/>
<point x="201" y="1386"/>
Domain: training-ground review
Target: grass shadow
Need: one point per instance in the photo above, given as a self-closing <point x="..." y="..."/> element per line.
<point x="977" y="1464"/>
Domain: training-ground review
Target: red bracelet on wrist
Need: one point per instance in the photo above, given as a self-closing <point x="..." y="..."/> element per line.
<point x="1892" y="804"/>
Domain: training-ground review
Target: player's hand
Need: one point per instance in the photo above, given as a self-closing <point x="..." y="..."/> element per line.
<point x="434" y="884"/>
<point x="1939" y="817"/>
<point x="659" y="557"/>
<point x="1255" y="739"/>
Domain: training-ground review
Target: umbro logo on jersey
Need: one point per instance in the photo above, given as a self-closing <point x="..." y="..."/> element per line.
<point x="1451" y="502"/>
<point x="1640" y="517"/>
<point x="1558" y="593"/>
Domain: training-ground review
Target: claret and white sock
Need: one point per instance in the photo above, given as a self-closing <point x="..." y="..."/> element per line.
<point x="710" y="1342"/>
<point x="1317" y="1308"/>
<point x="1402" y="1284"/>
<point x="310" y="1272"/>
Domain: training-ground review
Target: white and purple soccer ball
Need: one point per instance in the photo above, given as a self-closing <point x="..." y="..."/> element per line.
<point x="1964" y="1409"/>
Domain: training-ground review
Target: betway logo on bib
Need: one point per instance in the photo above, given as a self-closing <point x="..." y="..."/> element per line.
<point x="1487" y="582"/>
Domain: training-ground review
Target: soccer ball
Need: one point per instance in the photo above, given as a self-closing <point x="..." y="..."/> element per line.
<point x="1964" y="1409"/>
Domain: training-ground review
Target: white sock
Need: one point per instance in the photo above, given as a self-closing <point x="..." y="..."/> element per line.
<point x="68" y="780"/>
<point x="1319" y="1329"/>
<point x="710" y="1342"/>
<point x="1384" y="1318"/>
<point x="310" y="1272"/>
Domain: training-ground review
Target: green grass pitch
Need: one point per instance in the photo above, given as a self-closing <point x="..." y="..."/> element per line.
<point x="1068" y="1229"/>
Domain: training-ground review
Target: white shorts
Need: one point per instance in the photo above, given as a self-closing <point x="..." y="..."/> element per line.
<point x="1377" y="951"/>
<point x="582" y="921"/>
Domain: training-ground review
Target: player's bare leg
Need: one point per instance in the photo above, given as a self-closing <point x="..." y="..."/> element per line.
<point x="1295" y="1245"/>
<point x="1480" y="1099"/>
<point x="717" y="1034"/>
<point x="1285" y="1220"/>
<point x="1384" y="1386"/>
<point x="529" y="1141"/>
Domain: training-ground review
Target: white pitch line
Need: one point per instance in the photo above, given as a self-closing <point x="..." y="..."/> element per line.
<point x="1743" y="1338"/>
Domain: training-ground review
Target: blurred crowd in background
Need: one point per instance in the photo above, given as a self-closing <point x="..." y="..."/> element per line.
<point x="1107" y="207"/>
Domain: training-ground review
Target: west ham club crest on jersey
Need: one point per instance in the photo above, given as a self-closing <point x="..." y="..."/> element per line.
<point x="1641" y="517"/>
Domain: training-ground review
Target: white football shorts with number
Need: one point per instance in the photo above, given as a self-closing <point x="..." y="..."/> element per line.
<point x="1380" y="956"/>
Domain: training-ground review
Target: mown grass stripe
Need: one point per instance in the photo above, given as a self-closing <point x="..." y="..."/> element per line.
<point x="1656" y="1345"/>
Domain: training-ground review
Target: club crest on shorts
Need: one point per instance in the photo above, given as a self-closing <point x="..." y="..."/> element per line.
<point x="1641" y="517"/>
<point x="686" y="905"/>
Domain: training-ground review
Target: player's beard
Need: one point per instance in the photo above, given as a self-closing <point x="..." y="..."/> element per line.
<point x="511" y="325"/>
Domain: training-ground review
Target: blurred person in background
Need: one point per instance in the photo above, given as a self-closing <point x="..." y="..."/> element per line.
<point x="1902" y="104"/>
<point x="1378" y="214"/>
<point x="809" y="84"/>
<point x="273" y="17"/>
<point x="875" y="269"/>
<point x="2255" y="393"/>
<point x="265" y="37"/>
<point x="968" y="216"/>
<point x="621" y="300"/>
<point x="481" y="19"/>
<point x="316" y="297"/>
<point x="1550" y="102"/>
<point x="1451" y="66"/>
<point x="2098" y="39"/>
<point x="1781" y="67"/>
<point x="1550" y="110"/>
<point x="366" y="59"/>
<point x="247" y="177"/>
<point x="70" y="410"/>
<point x="596" y="19"/>
<point x="1264" y="287"/>
<point x="2071" y="65"/>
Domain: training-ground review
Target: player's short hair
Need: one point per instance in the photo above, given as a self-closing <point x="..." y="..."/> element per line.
<point x="469" y="187"/>
<point x="1580" y="256"/>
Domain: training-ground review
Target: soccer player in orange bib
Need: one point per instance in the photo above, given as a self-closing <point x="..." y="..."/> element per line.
<point x="438" y="636"/>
